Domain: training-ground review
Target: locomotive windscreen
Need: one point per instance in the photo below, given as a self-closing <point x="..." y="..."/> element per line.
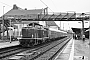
<point x="24" y="32"/>
<point x="28" y="33"/>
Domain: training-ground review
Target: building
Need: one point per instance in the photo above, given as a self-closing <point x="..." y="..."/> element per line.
<point x="78" y="32"/>
<point x="19" y="18"/>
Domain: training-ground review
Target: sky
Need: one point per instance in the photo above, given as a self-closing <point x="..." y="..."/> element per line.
<point x="54" y="5"/>
<point x="78" y="6"/>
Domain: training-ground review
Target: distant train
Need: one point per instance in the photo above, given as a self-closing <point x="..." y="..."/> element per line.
<point x="36" y="34"/>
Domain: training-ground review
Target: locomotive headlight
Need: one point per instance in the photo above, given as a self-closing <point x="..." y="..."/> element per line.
<point x="19" y="38"/>
<point x="21" y="35"/>
<point x="32" y="35"/>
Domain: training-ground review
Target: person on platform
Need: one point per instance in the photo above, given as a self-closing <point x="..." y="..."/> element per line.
<point x="83" y="37"/>
<point x="75" y="36"/>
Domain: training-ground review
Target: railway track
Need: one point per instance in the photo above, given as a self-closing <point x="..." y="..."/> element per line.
<point x="4" y="50"/>
<point x="8" y="52"/>
<point x="40" y="53"/>
<point x="50" y="53"/>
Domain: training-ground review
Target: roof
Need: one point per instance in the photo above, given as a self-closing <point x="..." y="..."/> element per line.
<point x="23" y="12"/>
<point x="51" y="23"/>
<point x="17" y="12"/>
<point x="78" y="30"/>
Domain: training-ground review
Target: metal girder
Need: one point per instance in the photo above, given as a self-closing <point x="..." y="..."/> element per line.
<point x="72" y="16"/>
<point x="43" y="17"/>
<point x="53" y="17"/>
<point x="64" y="16"/>
<point x="57" y="16"/>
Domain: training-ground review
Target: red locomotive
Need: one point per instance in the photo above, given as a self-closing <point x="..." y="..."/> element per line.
<point x="36" y="34"/>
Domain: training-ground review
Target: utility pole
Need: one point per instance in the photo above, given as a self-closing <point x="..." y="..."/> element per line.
<point x="63" y="25"/>
<point x="82" y="25"/>
<point x="0" y="30"/>
<point x="89" y="28"/>
<point x="3" y="24"/>
<point x="10" y="31"/>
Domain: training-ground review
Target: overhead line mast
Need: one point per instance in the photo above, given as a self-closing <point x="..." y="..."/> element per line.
<point x="47" y="6"/>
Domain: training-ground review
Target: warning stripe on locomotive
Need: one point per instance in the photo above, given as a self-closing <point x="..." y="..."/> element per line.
<point x="34" y="38"/>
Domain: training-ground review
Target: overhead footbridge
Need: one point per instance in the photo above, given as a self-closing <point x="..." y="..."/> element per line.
<point x="20" y="14"/>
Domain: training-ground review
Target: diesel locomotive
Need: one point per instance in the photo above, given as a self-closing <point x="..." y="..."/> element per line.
<point x="35" y="34"/>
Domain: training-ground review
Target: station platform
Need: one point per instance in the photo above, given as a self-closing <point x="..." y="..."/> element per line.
<point x="74" y="50"/>
<point x="5" y="44"/>
<point x="81" y="50"/>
